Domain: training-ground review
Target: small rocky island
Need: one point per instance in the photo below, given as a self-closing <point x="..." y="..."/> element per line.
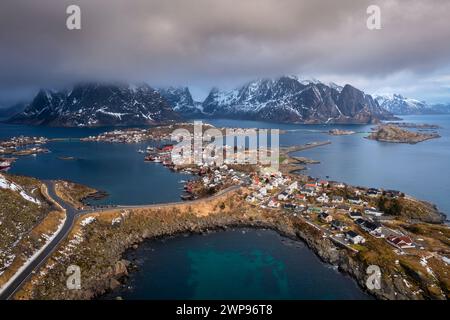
<point x="394" y="134"/>
<point x="339" y="132"/>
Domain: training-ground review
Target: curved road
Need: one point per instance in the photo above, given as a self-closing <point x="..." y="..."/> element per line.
<point x="71" y="214"/>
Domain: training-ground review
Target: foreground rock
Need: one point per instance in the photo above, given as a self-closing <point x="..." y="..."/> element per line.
<point x="395" y="134"/>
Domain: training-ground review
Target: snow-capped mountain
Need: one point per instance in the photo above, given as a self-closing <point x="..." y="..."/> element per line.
<point x="97" y="105"/>
<point x="288" y="99"/>
<point x="180" y="99"/>
<point x="398" y="104"/>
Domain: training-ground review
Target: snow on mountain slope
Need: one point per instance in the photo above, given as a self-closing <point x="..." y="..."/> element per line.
<point x="289" y="99"/>
<point x="398" y="104"/>
<point x="97" y="105"/>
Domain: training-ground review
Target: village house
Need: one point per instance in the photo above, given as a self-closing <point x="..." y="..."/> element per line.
<point x="325" y="217"/>
<point x="338" y="225"/>
<point x="372" y="192"/>
<point x="355" y="215"/>
<point x="292" y="187"/>
<point x="369" y="226"/>
<point x="339" y="185"/>
<point x="311" y="186"/>
<point x="289" y="206"/>
<point x="373" y="212"/>
<point x="401" y="242"/>
<point x="308" y="192"/>
<point x="273" y="204"/>
<point x="283" y="196"/>
<point x="314" y="210"/>
<point x="337" y="199"/>
<point x="323" y="183"/>
<point x="356" y="201"/>
<point x="354" y="237"/>
<point x="323" y="198"/>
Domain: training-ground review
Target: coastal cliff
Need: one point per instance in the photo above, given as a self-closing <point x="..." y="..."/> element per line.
<point x="104" y="268"/>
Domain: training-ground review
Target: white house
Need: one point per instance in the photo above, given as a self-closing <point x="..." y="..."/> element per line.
<point x="293" y="187"/>
<point x="323" y="198"/>
<point x="273" y="204"/>
<point x="283" y="196"/>
<point x="354" y="237"/>
<point x="373" y="212"/>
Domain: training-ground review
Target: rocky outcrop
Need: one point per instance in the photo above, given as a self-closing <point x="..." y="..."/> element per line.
<point x="339" y="132"/>
<point x="395" y="134"/>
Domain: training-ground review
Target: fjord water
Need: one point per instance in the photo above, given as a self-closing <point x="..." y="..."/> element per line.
<point x="233" y="264"/>
<point x="420" y="170"/>
<point x="117" y="169"/>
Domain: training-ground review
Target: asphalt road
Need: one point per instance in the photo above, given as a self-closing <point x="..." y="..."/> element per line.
<point x="71" y="215"/>
<point x="37" y="262"/>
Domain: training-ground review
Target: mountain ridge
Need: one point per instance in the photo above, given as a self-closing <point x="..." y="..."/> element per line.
<point x="288" y="99"/>
<point x="94" y="104"/>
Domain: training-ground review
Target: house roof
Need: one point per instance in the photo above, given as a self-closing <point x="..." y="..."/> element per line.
<point x="400" y="240"/>
<point x="352" y="234"/>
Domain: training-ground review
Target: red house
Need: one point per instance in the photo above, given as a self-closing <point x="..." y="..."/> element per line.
<point x="401" y="241"/>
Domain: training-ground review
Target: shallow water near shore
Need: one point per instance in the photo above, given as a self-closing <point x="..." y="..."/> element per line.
<point x="233" y="264"/>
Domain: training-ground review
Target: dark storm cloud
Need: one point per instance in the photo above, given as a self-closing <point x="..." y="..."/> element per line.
<point x="219" y="42"/>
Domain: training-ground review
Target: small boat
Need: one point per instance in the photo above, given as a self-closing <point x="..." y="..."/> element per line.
<point x="141" y="151"/>
<point x="187" y="197"/>
<point x="157" y="159"/>
<point x="4" y="165"/>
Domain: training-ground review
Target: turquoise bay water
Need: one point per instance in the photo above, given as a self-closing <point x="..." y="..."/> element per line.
<point x="233" y="264"/>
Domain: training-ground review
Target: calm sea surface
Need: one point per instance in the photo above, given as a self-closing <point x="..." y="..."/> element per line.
<point x="233" y="264"/>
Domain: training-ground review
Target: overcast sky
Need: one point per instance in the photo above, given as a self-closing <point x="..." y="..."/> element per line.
<point x="205" y="43"/>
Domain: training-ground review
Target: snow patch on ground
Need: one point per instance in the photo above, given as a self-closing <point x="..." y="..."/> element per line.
<point x="87" y="221"/>
<point x="34" y="256"/>
<point x="5" y="184"/>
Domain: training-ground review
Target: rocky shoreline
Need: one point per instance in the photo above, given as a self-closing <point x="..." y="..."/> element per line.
<point x="105" y="266"/>
<point x="325" y="249"/>
<point x="395" y="134"/>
